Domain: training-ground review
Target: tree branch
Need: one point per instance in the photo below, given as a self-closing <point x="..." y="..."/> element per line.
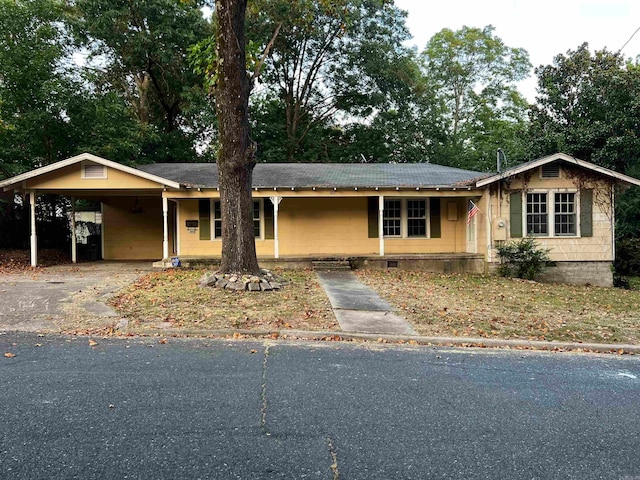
<point x="258" y="67"/>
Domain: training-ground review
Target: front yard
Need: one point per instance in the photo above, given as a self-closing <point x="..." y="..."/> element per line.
<point x="173" y="299"/>
<point x="436" y="305"/>
<point x="496" y="307"/>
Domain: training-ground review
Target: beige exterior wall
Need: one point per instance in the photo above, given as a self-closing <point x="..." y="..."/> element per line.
<point x="132" y="236"/>
<point x="332" y="226"/>
<point x="325" y="226"/>
<point x="70" y="178"/>
<point x="598" y="247"/>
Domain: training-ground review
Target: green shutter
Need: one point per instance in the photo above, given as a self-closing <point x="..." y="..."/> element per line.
<point x="372" y="214"/>
<point x="204" y="209"/>
<point x="515" y="212"/>
<point x="586" y="213"/>
<point x="434" y="218"/>
<point x="268" y="219"/>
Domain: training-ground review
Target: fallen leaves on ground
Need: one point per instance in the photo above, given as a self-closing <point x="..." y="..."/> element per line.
<point x="174" y="299"/>
<point x="19" y="261"/>
<point x="494" y="307"/>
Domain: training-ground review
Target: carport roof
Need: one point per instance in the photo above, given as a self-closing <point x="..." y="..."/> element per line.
<point x="323" y="175"/>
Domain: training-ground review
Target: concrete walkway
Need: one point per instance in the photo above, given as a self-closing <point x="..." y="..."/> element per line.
<point x="358" y="308"/>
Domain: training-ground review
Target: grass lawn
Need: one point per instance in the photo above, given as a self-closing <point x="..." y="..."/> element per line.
<point x="496" y="307"/>
<point x="173" y="298"/>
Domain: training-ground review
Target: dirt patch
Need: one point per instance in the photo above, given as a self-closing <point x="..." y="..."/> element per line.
<point x="174" y="300"/>
<point x="496" y="307"/>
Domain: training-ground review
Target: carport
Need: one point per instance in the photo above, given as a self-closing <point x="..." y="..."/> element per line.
<point x="124" y="191"/>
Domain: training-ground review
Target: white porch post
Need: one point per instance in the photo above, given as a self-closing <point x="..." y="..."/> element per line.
<point x="165" y="228"/>
<point x="74" y="253"/>
<point x="276" y="244"/>
<point x="34" y="238"/>
<point x="380" y="223"/>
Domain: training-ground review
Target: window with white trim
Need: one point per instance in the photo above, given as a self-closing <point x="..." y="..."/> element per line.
<point x="551" y="214"/>
<point x="565" y="214"/>
<point x="257" y="219"/>
<point x="537" y="214"/>
<point x="416" y="218"/>
<point x="392" y="219"/>
<point x="406" y="218"/>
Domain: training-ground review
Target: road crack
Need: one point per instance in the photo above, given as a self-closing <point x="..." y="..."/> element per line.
<point x="334" y="459"/>
<point x="263" y="408"/>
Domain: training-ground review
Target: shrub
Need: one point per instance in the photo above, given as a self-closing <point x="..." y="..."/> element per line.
<point x="628" y="257"/>
<point x="522" y="259"/>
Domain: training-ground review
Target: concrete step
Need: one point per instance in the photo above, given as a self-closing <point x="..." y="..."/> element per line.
<point x="324" y="265"/>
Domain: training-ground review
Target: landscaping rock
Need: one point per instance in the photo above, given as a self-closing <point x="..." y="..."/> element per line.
<point x="208" y="279"/>
<point x="265" y="282"/>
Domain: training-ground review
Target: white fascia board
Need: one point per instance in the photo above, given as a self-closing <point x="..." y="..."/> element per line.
<point x="552" y="158"/>
<point x="6" y="184"/>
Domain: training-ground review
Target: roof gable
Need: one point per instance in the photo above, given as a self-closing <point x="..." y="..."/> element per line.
<point x="85" y="157"/>
<point x="563" y="157"/>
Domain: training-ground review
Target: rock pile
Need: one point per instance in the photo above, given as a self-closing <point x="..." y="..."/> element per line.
<point x="265" y="282"/>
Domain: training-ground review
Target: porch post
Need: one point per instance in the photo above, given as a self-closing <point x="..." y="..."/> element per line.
<point x="276" y="244"/>
<point x="34" y="238"/>
<point x="165" y="228"/>
<point x="380" y="223"/>
<point x="74" y="255"/>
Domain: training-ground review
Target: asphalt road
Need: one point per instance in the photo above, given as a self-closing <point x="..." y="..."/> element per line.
<point x="219" y="409"/>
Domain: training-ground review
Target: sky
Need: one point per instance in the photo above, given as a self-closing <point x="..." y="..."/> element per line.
<point x="545" y="28"/>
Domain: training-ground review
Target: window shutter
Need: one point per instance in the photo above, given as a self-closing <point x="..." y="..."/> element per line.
<point x="372" y="213"/>
<point x="204" y="209"/>
<point x="267" y="208"/>
<point x="586" y="213"/>
<point x="515" y="212"/>
<point x="434" y="218"/>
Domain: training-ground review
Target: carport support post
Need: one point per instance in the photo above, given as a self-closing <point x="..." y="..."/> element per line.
<point x="276" y="245"/>
<point x="74" y="250"/>
<point x="380" y="223"/>
<point x="34" y="238"/>
<point x="165" y="228"/>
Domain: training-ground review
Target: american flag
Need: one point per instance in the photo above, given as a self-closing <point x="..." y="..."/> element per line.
<point x="473" y="210"/>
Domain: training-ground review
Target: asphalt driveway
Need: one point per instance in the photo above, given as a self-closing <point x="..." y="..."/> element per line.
<point x="41" y="301"/>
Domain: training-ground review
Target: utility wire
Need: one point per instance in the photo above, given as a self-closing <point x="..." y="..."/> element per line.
<point x="625" y="43"/>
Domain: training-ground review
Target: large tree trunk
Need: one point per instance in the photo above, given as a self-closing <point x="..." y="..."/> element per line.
<point x="236" y="156"/>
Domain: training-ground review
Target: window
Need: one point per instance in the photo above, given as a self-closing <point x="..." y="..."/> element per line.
<point x="257" y="219"/>
<point x="392" y="218"/>
<point x="405" y="218"/>
<point x="565" y="214"/>
<point x="416" y="218"/>
<point x="551" y="214"/>
<point x="537" y="220"/>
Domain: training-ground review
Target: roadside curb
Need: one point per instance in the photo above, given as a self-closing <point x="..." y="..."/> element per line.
<point x="337" y="335"/>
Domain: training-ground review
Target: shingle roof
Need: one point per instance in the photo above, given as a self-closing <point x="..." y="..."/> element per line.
<point x="323" y="175"/>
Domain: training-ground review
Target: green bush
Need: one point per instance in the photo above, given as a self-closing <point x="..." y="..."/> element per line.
<point x="522" y="259"/>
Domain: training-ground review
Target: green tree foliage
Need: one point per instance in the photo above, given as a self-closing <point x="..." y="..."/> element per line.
<point x="139" y="51"/>
<point x="331" y="64"/>
<point x="473" y="77"/>
<point x="35" y="84"/>
<point x="589" y="106"/>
